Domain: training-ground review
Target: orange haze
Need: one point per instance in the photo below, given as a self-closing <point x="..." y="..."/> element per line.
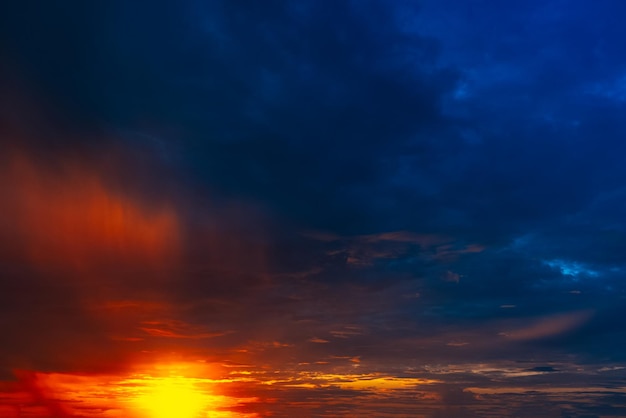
<point x="68" y="217"/>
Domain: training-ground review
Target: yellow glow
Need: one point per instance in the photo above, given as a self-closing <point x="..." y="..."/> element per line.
<point x="372" y="381"/>
<point x="170" y="397"/>
<point x="162" y="390"/>
<point x="384" y="383"/>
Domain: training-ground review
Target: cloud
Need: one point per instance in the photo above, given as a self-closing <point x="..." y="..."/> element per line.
<point x="550" y="326"/>
<point x="66" y="217"/>
<point x="321" y="186"/>
<point x="318" y="340"/>
<point x="84" y="257"/>
<point x="177" y="329"/>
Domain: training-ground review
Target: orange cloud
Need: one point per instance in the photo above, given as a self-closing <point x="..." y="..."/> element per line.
<point x="318" y="340"/>
<point x="178" y="329"/>
<point x="67" y="217"/>
<point x="550" y="326"/>
<point x="41" y="395"/>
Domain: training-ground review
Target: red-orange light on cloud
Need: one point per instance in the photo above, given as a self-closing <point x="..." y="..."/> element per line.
<point x="68" y="217"/>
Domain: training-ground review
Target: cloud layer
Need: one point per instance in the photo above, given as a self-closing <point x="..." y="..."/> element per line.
<point x="338" y="193"/>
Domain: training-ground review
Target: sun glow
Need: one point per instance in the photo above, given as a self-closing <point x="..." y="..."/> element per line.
<point x="172" y="397"/>
<point x="174" y="390"/>
<point x="164" y="390"/>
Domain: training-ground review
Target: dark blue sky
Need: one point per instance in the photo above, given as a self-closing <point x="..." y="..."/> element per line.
<point x="436" y="188"/>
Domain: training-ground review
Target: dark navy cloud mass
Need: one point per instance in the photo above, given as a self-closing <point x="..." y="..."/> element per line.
<point x="436" y="189"/>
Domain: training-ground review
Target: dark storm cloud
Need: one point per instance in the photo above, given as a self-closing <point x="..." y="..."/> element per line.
<point x="290" y="103"/>
<point x="340" y="117"/>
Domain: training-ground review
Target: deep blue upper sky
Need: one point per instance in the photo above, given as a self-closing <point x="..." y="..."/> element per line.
<point x="453" y="170"/>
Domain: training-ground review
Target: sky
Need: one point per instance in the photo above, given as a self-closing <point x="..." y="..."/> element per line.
<point x="311" y="208"/>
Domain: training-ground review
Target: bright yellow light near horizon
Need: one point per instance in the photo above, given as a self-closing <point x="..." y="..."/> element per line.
<point x="156" y="390"/>
<point x="172" y="397"/>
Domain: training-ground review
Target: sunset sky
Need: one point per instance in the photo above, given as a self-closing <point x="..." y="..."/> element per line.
<point x="312" y="208"/>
